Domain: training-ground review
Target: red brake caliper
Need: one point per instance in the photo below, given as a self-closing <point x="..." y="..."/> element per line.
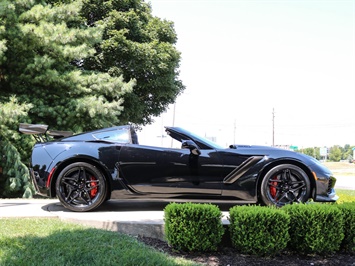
<point x="273" y="187"/>
<point x="93" y="191"/>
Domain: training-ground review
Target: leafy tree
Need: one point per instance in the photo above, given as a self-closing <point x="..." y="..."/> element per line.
<point x="347" y="152"/>
<point x="308" y="151"/>
<point x="141" y="47"/>
<point x="335" y="153"/>
<point x="314" y="152"/>
<point x="317" y="153"/>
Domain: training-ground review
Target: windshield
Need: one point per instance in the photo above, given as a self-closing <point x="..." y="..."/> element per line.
<point x="181" y="134"/>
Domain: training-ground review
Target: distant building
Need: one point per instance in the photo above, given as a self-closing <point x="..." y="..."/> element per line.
<point x="287" y="147"/>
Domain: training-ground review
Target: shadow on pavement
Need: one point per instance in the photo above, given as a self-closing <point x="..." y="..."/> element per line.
<point x="125" y="206"/>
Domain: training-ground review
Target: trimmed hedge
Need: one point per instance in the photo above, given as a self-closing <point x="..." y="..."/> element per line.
<point x="259" y="230"/>
<point x="315" y="228"/>
<point x="193" y="227"/>
<point x="348" y="210"/>
<point x="305" y="228"/>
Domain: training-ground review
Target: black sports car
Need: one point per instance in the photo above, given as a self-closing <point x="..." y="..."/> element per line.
<point x="86" y="169"/>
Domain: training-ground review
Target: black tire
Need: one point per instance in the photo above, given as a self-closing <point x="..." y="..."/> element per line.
<point x="81" y="187"/>
<point x="285" y="184"/>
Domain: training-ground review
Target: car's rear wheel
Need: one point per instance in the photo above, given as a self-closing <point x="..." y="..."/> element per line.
<point x="81" y="187"/>
<point x="285" y="184"/>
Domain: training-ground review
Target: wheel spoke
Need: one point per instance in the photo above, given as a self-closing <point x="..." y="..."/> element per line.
<point x="286" y="175"/>
<point x="296" y="194"/>
<point x="69" y="185"/>
<point x="278" y="192"/>
<point x="70" y="182"/>
<point x="298" y="188"/>
<point x="288" y="193"/>
<point x="82" y="174"/>
<point x="92" y="181"/>
<point x="85" y="197"/>
<point x="69" y="198"/>
<point x="91" y="188"/>
<point x="283" y="195"/>
<point x="69" y="194"/>
<point x="298" y="182"/>
<point x="298" y="199"/>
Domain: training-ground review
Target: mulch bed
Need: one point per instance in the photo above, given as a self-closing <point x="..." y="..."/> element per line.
<point x="226" y="255"/>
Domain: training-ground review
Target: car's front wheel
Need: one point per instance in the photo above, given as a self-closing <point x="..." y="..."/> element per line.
<point x="285" y="184"/>
<point x="81" y="187"/>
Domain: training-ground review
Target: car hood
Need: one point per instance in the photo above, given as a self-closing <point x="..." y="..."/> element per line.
<point x="271" y="152"/>
<point x="276" y="153"/>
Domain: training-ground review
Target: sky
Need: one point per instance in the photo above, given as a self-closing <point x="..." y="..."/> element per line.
<point x="260" y="72"/>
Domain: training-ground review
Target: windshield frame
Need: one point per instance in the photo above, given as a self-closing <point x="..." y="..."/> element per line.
<point x="181" y="134"/>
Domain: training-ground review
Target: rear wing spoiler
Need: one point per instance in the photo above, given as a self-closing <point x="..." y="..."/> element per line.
<point x="41" y="132"/>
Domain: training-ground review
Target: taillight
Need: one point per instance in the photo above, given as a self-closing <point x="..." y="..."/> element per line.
<point x="49" y="178"/>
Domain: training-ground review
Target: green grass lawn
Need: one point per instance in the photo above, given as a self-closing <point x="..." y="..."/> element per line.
<point x="341" y="168"/>
<point x="30" y="241"/>
<point x="49" y="241"/>
<point x="345" y="195"/>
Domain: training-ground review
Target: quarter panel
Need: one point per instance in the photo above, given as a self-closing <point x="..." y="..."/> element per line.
<point x="63" y="153"/>
<point x="41" y="163"/>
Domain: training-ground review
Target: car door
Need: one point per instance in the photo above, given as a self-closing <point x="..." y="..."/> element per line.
<point x="177" y="172"/>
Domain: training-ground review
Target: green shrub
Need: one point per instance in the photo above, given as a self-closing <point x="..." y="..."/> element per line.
<point x="258" y="230"/>
<point x="315" y="228"/>
<point x="193" y="227"/>
<point x="348" y="210"/>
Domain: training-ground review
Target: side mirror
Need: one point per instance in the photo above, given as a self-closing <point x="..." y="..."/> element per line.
<point x="192" y="146"/>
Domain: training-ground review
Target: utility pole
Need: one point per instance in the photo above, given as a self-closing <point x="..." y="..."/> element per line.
<point x="273" y="127"/>
<point x="235" y="128"/>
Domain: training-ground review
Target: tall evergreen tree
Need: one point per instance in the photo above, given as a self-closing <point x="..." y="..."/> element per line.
<point x="47" y="45"/>
<point x="14" y="176"/>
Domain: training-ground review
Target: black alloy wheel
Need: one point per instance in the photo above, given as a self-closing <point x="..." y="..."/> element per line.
<point x="81" y="187"/>
<point x="285" y="184"/>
